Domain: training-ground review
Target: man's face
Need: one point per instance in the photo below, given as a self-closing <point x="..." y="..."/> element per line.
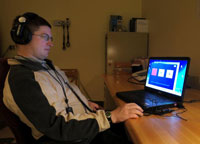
<point x="41" y="42"/>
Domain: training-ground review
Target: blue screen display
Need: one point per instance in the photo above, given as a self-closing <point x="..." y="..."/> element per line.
<point x="167" y="75"/>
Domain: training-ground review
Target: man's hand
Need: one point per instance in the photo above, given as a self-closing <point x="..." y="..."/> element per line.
<point x="127" y="111"/>
<point x="94" y="106"/>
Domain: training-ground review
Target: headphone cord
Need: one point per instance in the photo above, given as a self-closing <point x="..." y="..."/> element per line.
<point x="68" y="85"/>
<point x="68" y="109"/>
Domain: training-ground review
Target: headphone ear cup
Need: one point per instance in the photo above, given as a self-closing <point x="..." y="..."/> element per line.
<point x="21" y="34"/>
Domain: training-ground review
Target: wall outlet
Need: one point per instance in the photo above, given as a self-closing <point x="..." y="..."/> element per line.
<point x="58" y="22"/>
<point x="11" y="47"/>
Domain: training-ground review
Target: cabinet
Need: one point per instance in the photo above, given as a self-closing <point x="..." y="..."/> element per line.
<point x="124" y="47"/>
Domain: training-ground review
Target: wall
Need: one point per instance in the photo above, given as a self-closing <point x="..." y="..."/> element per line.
<point x="174" y="30"/>
<point x="89" y="24"/>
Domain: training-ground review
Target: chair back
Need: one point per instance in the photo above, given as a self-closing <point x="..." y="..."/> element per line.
<point x="73" y="76"/>
<point x="20" y="130"/>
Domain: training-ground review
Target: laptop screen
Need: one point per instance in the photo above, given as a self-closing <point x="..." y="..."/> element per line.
<point x="167" y="74"/>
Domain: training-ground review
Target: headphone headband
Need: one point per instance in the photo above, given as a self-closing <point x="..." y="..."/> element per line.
<point x="20" y="32"/>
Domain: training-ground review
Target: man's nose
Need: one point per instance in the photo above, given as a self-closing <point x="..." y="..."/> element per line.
<point x="50" y="43"/>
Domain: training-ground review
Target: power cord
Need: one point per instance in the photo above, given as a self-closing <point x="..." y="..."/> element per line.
<point x="177" y="114"/>
<point x="163" y="113"/>
<point x="130" y="80"/>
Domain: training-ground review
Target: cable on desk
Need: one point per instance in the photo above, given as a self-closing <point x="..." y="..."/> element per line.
<point x="184" y="109"/>
<point x="177" y="114"/>
<point x="138" y="83"/>
<point x="162" y="113"/>
<point x="191" y="101"/>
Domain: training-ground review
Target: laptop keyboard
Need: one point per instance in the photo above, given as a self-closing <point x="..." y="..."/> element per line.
<point x="152" y="99"/>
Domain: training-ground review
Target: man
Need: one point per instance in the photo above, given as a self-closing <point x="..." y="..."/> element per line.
<point x="41" y="95"/>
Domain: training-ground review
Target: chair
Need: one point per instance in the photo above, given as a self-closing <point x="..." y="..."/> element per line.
<point x="73" y="76"/>
<point x="20" y="130"/>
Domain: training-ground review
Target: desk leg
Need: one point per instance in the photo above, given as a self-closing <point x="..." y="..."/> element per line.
<point x="109" y="103"/>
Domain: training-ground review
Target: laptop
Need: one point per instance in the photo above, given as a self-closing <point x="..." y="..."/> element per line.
<point x="164" y="85"/>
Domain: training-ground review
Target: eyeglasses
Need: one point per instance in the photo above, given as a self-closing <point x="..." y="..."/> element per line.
<point x="45" y="36"/>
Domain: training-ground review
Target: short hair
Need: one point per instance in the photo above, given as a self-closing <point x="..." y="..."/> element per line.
<point x="34" y="21"/>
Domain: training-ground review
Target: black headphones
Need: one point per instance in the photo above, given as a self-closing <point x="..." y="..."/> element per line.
<point x="20" y="32"/>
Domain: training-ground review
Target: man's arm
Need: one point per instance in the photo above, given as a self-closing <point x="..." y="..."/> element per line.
<point x="29" y="97"/>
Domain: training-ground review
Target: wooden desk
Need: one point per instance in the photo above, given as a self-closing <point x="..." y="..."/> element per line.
<point x="159" y="129"/>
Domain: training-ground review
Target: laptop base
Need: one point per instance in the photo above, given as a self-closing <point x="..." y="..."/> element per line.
<point x="150" y="106"/>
